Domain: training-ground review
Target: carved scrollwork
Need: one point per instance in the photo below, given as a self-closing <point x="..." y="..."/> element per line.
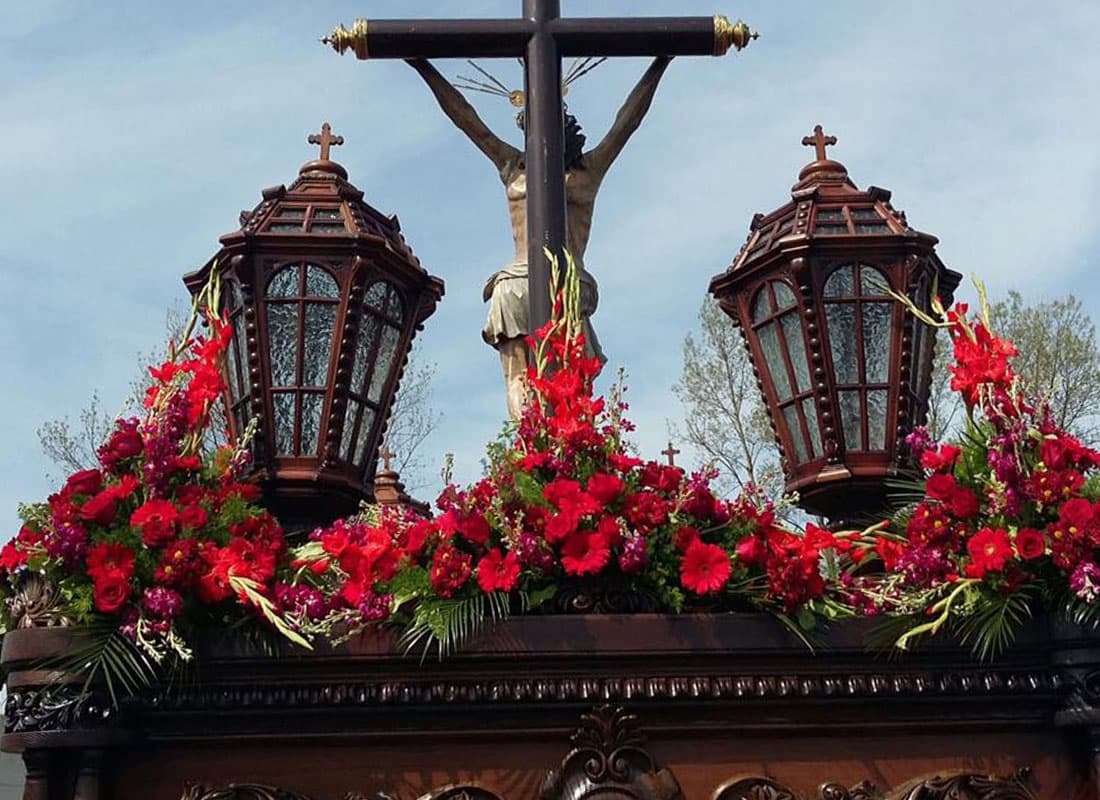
<point x="865" y="790"/>
<point x="57" y="707"/>
<point x="609" y="760"/>
<point x="603" y="597"/>
<point x="967" y="786"/>
<point x="37" y="604"/>
<point x="239" y="791"/>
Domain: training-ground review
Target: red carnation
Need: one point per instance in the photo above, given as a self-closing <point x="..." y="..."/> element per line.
<point x="87" y="481"/>
<point x="940" y="487"/>
<point x="990" y="549"/>
<point x="585" y="554"/>
<point x="705" y="568"/>
<point x="1030" y="543"/>
<point x="475" y="529"/>
<point x="111" y="593"/>
<point x="110" y="560"/>
<point x="193" y="518"/>
<point x="498" y="573"/>
<point x="157" y="521"/>
<point x="605" y="488"/>
<point x="963" y="503"/>
<point x="450" y="570"/>
<point x="100" y="509"/>
<point x="124" y="443"/>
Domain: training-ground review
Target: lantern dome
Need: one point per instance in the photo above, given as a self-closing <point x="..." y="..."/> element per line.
<point x="845" y="372"/>
<point x="325" y="297"/>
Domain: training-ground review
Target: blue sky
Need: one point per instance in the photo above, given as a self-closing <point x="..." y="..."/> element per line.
<point x="132" y="134"/>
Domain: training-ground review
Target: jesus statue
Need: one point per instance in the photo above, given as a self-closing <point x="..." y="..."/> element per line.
<point x="506" y="290"/>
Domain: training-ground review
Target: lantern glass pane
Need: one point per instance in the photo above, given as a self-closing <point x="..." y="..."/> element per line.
<point x="242" y="350"/>
<point x="320" y="320"/>
<point x="873" y="282"/>
<point x="850" y="418"/>
<point x="841" y="318"/>
<point x="829" y="215"/>
<point x="290" y="212"/>
<point x="349" y="429"/>
<point x="872" y="227"/>
<point x="327" y="227"/>
<point x="282" y="334"/>
<point x="284" y="283"/>
<point x="773" y="357"/>
<point x="320" y="283"/>
<point x="233" y="368"/>
<point x="762" y="305"/>
<point x="312" y="405"/>
<point x="376" y="296"/>
<point x="369" y="329"/>
<point x="284" y="422"/>
<point x="790" y="416"/>
<point x="876" y="419"/>
<point x="810" y="413"/>
<point x="796" y="348"/>
<point x="364" y="435"/>
<point x="864" y="214"/>
<point x="841" y="282"/>
<point x="387" y="349"/>
<point x="784" y="297"/>
<point x="877" y="331"/>
<point x="396" y="308"/>
<point x="235" y="298"/>
<point x="327" y="213"/>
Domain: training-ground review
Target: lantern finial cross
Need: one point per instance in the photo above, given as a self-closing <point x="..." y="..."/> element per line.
<point x="387" y="458"/>
<point x="671" y="452"/>
<point x="326" y="140"/>
<point x="819" y="141"/>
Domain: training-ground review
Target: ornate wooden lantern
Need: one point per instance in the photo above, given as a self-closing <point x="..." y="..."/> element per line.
<point x="844" y="370"/>
<point x="325" y="297"/>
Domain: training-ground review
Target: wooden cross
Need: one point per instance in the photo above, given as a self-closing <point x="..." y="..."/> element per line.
<point x="819" y="141"/>
<point x="671" y="452"/>
<point x="541" y="37"/>
<point x="326" y="140"/>
<point x="387" y="458"/>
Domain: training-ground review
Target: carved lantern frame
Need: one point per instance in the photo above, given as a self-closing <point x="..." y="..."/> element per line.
<point x="844" y="370"/>
<point x="325" y="298"/>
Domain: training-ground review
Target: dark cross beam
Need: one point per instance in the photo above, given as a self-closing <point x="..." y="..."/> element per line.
<point x="671" y="452"/>
<point x="819" y="141"/>
<point x="325" y="139"/>
<point x="542" y="38"/>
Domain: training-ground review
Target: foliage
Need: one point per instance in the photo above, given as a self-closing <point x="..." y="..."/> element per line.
<point x="724" y="418"/>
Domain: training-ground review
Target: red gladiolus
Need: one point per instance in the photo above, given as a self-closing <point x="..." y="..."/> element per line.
<point x="496" y="572"/>
<point x="705" y="568"/>
<point x="990" y="549"/>
<point x="585" y="554"/>
<point x="157" y="521"/>
<point x="611" y="530"/>
<point x="889" y="551"/>
<point x="940" y="459"/>
<point x="1030" y="544"/>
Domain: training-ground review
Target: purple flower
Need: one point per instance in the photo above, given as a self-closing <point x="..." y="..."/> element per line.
<point x="533" y="554"/>
<point x="375" y="607"/>
<point x="918" y="441"/>
<point x="1085" y="581"/>
<point x="633" y="558"/>
<point x="162" y="602"/>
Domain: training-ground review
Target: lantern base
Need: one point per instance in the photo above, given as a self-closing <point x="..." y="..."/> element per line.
<point x="847" y="498"/>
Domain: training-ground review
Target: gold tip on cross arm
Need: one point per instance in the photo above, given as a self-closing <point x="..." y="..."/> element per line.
<point x="342" y="39"/>
<point x="735" y="34"/>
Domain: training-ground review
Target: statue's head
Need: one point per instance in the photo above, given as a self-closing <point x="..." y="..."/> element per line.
<point x="574" y="136"/>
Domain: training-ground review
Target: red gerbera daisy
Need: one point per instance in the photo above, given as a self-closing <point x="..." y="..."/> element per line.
<point x="585" y="554"/>
<point x="705" y="568"/>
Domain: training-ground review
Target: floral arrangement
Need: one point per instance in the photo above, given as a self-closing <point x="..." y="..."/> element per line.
<point x="1008" y="519"/>
<point x="564" y="508"/>
<point x="161" y="538"/>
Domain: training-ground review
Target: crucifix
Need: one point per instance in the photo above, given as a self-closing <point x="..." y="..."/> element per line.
<point x="671" y="452"/>
<point x="541" y="37"/>
<point x="819" y="141"/>
<point x="326" y="140"/>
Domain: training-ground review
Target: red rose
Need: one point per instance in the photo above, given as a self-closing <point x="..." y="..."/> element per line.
<point x="124" y="443"/>
<point x="110" y="560"/>
<point x="101" y="509"/>
<point x="604" y="488"/>
<point x="496" y="572"/>
<point x="111" y="592"/>
<point x="940" y="487"/>
<point x="193" y="518"/>
<point x="157" y="521"/>
<point x="1030" y="544"/>
<point x="87" y="481"/>
<point x="475" y="528"/>
<point x="705" y="568"/>
<point x="585" y="554"/>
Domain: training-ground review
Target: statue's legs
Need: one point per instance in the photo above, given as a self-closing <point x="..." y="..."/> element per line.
<point x="513" y="360"/>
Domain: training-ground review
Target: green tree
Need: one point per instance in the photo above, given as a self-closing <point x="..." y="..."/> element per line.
<point x="724" y="416"/>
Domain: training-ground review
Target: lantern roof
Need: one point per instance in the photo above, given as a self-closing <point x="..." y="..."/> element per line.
<point x="826" y="206"/>
<point x="321" y="206"/>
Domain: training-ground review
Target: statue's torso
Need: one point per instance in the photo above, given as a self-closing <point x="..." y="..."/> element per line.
<point x="580" y="199"/>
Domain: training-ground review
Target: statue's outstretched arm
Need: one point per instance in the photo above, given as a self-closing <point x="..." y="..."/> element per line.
<point x="462" y="114"/>
<point x="628" y="119"/>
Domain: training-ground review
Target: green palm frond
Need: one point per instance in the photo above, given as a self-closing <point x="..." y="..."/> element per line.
<point x="994" y="623"/>
<point x="104" y="654"/>
<point x="448" y="623"/>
